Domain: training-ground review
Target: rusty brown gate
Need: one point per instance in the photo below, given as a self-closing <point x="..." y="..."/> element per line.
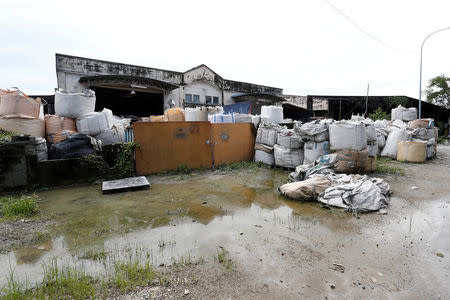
<point x="165" y="146"/>
<point x="232" y="142"/>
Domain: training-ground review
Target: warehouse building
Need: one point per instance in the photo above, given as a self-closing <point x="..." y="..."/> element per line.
<point x="144" y="91"/>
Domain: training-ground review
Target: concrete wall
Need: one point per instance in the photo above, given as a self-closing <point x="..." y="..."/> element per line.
<point x="199" y="80"/>
<point x="69" y="69"/>
<point x="300" y="101"/>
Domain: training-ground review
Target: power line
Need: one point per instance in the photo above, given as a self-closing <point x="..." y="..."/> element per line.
<point x="357" y="26"/>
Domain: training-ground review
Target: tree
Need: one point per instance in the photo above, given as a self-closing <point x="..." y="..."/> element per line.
<point x="438" y="91"/>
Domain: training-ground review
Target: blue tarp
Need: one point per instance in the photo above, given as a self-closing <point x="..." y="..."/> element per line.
<point x="240" y="108"/>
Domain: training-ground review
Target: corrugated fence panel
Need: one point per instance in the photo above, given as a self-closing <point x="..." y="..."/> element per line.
<point x="168" y="145"/>
<point x="233" y="142"/>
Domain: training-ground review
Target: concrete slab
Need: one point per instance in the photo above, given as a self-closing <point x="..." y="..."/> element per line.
<point x="125" y="184"/>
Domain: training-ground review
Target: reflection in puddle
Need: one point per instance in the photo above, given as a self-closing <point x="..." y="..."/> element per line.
<point x="175" y="218"/>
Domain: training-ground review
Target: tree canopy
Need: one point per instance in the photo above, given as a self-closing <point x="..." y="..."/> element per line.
<point x="438" y="91"/>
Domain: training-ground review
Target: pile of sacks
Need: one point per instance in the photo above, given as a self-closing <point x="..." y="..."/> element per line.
<point x="406" y="137"/>
<point x="21" y="113"/>
<point x="319" y="182"/>
<point x="79" y="109"/>
<point x="315" y="137"/>
<point x="266" y="139"/>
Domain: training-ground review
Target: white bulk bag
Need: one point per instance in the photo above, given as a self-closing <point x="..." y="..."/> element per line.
<point x="256" y="120"/>
<point x="109" y="117"/>
<point x="267" y="134"/>
<point x="314" y="150"/>
<point x="345" y="135"/>
<point x="74" y="105"/>
<point x="390" y="148"/>
<point x="288" y="158"/>
<point x="288" y="139"/>
<point x="190" y="114"/>
<point x="267" y="158"/>
<point x="273" y="113"/>
<point x="242" y="118"/>
<point x="222" y="118"/>
<point x="372" y="149"/>
<point x="316" y="131"/>
<point x="92" y="123"/>
<point x="371" y="134"/>
<point x="115" y="135"/>
<point x="381" y="123"/>
<point x="403" y="113"/>
<point x="381" y="140"/>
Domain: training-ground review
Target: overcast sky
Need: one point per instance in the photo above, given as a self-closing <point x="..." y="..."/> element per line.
<point x="304" y="47"/>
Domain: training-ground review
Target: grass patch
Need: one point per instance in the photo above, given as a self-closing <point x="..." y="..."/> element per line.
<point x="389" y="166"/>
<point x="72" y="283"/>
<point x="14" y="208"/>
<point x="248" y="165"/>
<point x="223" y="258"/>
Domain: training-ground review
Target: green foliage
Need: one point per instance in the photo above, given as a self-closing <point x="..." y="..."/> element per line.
<point x="395" y="101"/>
<point x="389" y="166"/>
<point x="66" y="283"/>
<point x="222" y="257"/>
<point x="125" y="160"/>
<point x="438" y="91"/>
<point x="123" y="163"/>
<point x="131" y="273"/>
<point x="5" y="136"/>
<point x="15" y="208"/>
<point x="379" y="114"/>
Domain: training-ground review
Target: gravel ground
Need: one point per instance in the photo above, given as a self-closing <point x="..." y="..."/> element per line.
<point x="15" y="234"/>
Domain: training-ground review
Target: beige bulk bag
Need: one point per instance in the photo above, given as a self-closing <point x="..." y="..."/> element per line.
<point x="305" y="190"/>
<point x="351" y="161"/>
<point x="55" y="124"/>
<point x="18" y="104"/>
<point x="175" y="114"/>
<point x="23" y="124"/>
<point x="411" y="151"/>
<point x="420" y="123"/>
<point x="157" y="118"/>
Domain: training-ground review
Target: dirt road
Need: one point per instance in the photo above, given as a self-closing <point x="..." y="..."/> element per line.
<point x="332" y="255"/>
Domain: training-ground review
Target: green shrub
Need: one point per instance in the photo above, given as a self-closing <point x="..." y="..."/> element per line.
<point x="23" y="207"/>
<point x="379" y="114"/>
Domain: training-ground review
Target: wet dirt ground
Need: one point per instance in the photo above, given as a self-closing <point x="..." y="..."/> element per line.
<point x="280" y="249"/>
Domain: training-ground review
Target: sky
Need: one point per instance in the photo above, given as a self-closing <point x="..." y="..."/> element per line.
<point x="306" y="47"/>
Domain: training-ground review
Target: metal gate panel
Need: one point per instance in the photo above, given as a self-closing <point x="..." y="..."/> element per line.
<point x="233" y="142"/>
<point x="165" y="146"/>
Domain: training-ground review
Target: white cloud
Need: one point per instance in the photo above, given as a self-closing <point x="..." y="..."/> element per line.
<point x="304" y="47"/>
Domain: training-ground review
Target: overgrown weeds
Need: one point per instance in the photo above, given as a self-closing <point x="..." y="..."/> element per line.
<point x="223" y="258"/>
<point x="389" y="166"/>
<point x="248" y="165"/>
<point x="13" y="208"/>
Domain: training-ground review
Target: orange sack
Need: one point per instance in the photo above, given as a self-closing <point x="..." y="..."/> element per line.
<point x="17" y="103"/>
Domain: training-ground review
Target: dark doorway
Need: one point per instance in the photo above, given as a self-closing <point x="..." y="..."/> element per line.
<point x="124" y="103"/>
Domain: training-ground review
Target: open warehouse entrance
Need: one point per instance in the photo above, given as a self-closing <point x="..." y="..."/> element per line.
<point x="129" y="95"/>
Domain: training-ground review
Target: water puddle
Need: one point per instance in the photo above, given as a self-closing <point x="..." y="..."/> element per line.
<point x="175" y="220"/>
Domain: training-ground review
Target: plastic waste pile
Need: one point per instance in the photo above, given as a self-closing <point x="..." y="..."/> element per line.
<point x="21" y="113"/>
<point x="315" y="135"/>
<point x="266" y="139"/>
<point x="288" y="150"/>
<point x="319" y="182"/>
<point x="79" y="107"/>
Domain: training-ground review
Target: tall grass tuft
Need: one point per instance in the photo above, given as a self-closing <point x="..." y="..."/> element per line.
<point x="23" y="207"/>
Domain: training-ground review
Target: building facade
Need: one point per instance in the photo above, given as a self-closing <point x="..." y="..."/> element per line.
<point x="143" y="91"/>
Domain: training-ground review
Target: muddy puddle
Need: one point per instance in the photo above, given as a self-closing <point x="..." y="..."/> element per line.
<point x="182" y="217"/>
